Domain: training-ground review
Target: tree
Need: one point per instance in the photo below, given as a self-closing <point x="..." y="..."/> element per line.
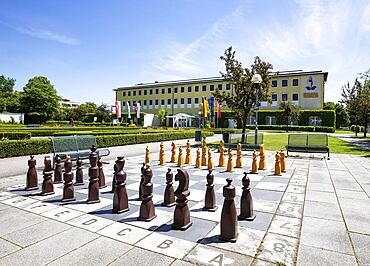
<point x="10" y="100"/>
<point x="161" y="115"/>
<point x="40" y="100"/>
<point x="103" y="113"/>
<point x="341" y="113"/>
<point x="290" y="113"/>
<point x="242" y="97"/>
<point x="86" y="112"/>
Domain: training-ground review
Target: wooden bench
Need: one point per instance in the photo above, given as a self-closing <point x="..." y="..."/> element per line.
<point x="249" y="144"/>
<point x="77" y="147"/>
<point x="309" y="143"/>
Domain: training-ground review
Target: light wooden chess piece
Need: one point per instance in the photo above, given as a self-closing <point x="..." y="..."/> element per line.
<point x="262" y="162"/>
<point x="221" y="159"/>
<point x="211" y="165"/>
<point x="173" y="155"/>
<point x="282" y="161"/>
<point x="161" y="155"/>
<point x="277" y="164"/>
<point x="230" y="166"/>
<point x="198" y="161"/>
<point x="204" y="151"/>
<point x="254" y="163"/>
<point x="188" y="153"/>
<point x="239" y="156"/>
<point x="180" y="161"/>
<point x="147" y="156"/>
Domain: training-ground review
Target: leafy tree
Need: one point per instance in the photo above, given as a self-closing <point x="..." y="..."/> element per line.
<point x="161" y="115"/>
<point x="341" y="113"/>
<point x="103" y="113"/>
<point x="242" y="97"/>
<point x="40" y="100"/>
<point x="10" y="100"/>
<point x="6" y="85"/>
<point x="290" y="113"/>
<point x="86" y="112"/>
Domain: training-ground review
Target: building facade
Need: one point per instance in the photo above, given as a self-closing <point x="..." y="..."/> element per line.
<point x="304" y="89"/>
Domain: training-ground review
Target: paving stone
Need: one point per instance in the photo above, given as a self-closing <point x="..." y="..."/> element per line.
<point x="324" y="210"/>
<point x="328" y="234"/>
<point x="90" y="222"/>
<point x="290" y="209"/>
<point x="49" y="249"/>
<point x="257" y="262"/>
<point x="361" y="244"/>
<point x="293" y="197"/>
<point x="356" y="214"/>
<point x="321" y="196"/>
<point x="7" y="247"/>
<point x="350" y="194"/>
<point x="3" y="206"/>
<point x="182" y="263"/>
<point x="62" y="214"/>
<point x="261" y="222"/>
<point x="308" y="256"/>
<point x="19" y="221"/>
<point x="35" y="233"/>
<point x="142" y="257"/>
<point x="10" y="212"/>
<point x="320" y="187"/>
<point x="100" y="251"/>
<point x="287" y="226"/>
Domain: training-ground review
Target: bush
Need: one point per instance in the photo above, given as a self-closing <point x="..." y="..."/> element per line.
<point x="15" y="135"/>
<point x="12" y="148"/>
<point x="294" y="128"/>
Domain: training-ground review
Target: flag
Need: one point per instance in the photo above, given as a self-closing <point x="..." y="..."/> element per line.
<point x="138" y="109"/>
<point x="118" y="109"/>
<point x="128" y="110"/>
<point x="211" y="102"/>
<point x="218" y="109"/>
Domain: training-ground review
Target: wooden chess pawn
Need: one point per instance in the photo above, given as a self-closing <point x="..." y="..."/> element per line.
<point x="254" y="163"/>
<point x="31" y="179"/>
<point x="246" y="201"/>
<point x="210" y="198"/>
<point x="173" y="153"/>
<point x="188" y="153"/>
<point x="118" y="166"/>
<point x="204" y="151"/>
<point x="147" y="155"/>
<point x="180" y="161"/>
<point x="68" y="189"/>
<point x="221" y="159"/>
<point x="120" y="197"/>
<point x="262" y="162"/>
<point x="181" y="220"/>
<point x="282" y="161"/>
<point x="198" y="162"/>
<point x="211" y="165"/>
<point x="161" y="155"/>
<point x="47" y="183"/>
<point x="169" y="196"/>
<point x="229" y="222"/>
<point x="102" y="183"/>
<point x="277" y="164"/>
<point x="141" y="181"/>
<point x="58" y="171"/>
<point x="147" y="211"/>
<point x="79" y="173"/>
<point x="230" y="166"/>
<point x="93" y="191"/>
<point x="239" y="156"/>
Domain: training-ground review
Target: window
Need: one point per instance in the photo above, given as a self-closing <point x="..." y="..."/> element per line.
<point x="150" y="92"/>
<point x="145" y="92"/>
<point x="196" y="88"/>
<point x="150" y="102"/>
<point x="295" y="82"/>
<point x="284" y="83"/>
<point x="274" y="83"/>
<point x="175" y="90"/>
<point x="228" y="86"/>
<point x="162" y="102"/>
<point x="169" y="90"/>
<point x="211" y="87"/>
<point x="219" y="86"/>
<point x="189" y="88"/>
<point x="139" y="102"/>
<point x="156" y="91"/>
<point x="168" y="101"/>
<point x="156" y="102"/>
<point x="189" y="100"/>
<point x="182" y="89"/>
<point x="134" y="93"/>
<point x="129" y="93"/>
<point x="144" y="102"/>
<point x="270" y="120"/>
<point x="124" y="94"/>
<point x="314" y="121"/>
<point x="182" y="100"/>
<point x="274" y="97"/>
<point x="139" y="92"/>
<point x="251" y="120"/>
<point x="174" y="101"/>
<point x="295" y="96"/>
<point x="196" y="100"/>
<point x="284" y="97"/>
<point x="163" y="91"/>
<point x="123" y="103"/>
<point x="204" y="88"/>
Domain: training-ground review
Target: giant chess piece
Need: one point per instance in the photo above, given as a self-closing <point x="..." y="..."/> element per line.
<point x="118" y="166"/>
<point x="230" y="165"/>
<point x="161" y="155"/>
<point x="239" y="156"/>
<point x="282" y="161"/>
<point x="120" y="198"/>
<point x="47" y="183"/>
<point x="181" y="220"/>
<point x="79" y="173"/>
<point x="210" y="199"/>
<point x="58" y="171"/>
<point x="147" y="155"/>
<point x="68" y="189"/>
<point x="147" y="211"/>
<point x="254" y="163"/>
<point x="93" y="194"/>
<point x="173" y="153"/>
<point x="31" y="180"/>
<point x="169" y="196"/>
<point x="180" y="160"/>
<point x="246" y="201"/>
<point x="188" y="153"/>
<point x="142" y="170"/>
<point x="101" y="174"/>
<point x="221" y="159"/>
<point x="229" y="222"/>
<point x="277" y="164"/>
<point x="198" y="162"/>
<point x="211" y="165"/>
<point x="262" y="162"/>
<point x="204" y="151"/>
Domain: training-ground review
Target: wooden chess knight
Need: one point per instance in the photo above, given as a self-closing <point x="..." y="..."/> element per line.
<point x="147" y="211"/>
<point x="181" y="220"/>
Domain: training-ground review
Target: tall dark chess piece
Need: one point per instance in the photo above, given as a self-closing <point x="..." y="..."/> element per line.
<point x="120" y="198"/>
<point x="118" y="166"/>
<point x="93" y="196"/>
<point x="147" y="211"/>
<point x="58" y="171"/>
<point x="246" y="201"/>
<point x="169" y="196"/>
<point x="31" y="180"/>
<point x="101" y="174"/>
<point x="68" y="190"/>
<point x="210" y="199"/>
<point x="229" y="223"/>
<point x="141" y="182"/>
<point x="79" y="173"/>
<point x="181" y="218"/>
<point x="47" y="183"/>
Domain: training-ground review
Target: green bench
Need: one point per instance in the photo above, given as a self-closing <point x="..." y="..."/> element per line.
<point x="309" y="143"/>
<point x="249" y="144"/>
<point x="77" y="147"/>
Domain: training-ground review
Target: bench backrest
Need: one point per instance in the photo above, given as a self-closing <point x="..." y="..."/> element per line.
<point x="85" y="142"/>
<point x="73" y="143"/>
<point x="314" y="140"/>
<point x="297" y="139"/>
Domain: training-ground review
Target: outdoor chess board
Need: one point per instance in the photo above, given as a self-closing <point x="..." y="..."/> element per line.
<point x="271" y="237"/>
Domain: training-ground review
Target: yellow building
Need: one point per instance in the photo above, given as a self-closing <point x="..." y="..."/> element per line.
<point x="303" y="89"/>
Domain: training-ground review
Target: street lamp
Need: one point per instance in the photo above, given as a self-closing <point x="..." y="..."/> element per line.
<point x="256" y="80"/>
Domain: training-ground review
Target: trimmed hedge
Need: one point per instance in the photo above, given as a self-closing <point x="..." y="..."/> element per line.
<point x="12" y="148"/>
<point x="294" y="128"/>
<point x="15" y="135"/>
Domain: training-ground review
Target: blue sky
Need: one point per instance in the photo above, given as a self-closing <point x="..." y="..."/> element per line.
<point x="89" y="47"/>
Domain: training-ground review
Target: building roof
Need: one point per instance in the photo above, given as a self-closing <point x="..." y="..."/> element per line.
<point x="218" y="79"/>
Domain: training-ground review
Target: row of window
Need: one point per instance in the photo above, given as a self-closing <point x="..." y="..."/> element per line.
<point x="271" y="120"/>
<point x="284" y="97"/>
<point x="175" y="90"/>
<point x="284" y="83"/>
<point x="162" y="102"/>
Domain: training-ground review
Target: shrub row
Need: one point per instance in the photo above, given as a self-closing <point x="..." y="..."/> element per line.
<point x="295" y="128"/>
<point x="15" y="135"/>
<point x="12" y="148"/>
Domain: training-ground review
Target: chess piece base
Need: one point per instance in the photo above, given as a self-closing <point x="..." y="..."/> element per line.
<point x="103" y="186"/>
<point x="58" y="182"/>
<point x="146" y="219"/>
<point x="121" y="211"/>
<point x="182" y="228"/>
<point x="168" y="205"/>
<point x="92" y="201"/>
<point x="253" y="173"/>
<point x="78" y="184"/>
<point x="47" y="193"/>
<point x="67" y="200"/>
<point x="246" y="218"/>
<point x="31" y="188"/>
<point x="262" y="168"/>
<point x="232" y="240"/>
<point x="210" y="209"/>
